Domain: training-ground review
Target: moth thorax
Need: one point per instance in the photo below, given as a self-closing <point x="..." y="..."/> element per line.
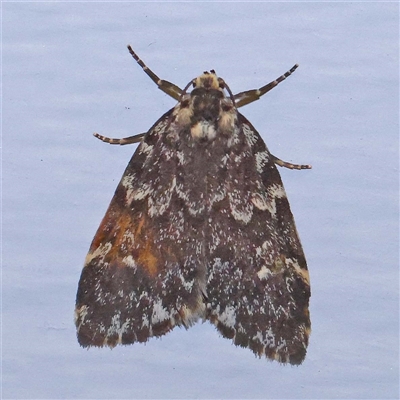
<point x="207" y="81"/>
<point x="203" y="130"/>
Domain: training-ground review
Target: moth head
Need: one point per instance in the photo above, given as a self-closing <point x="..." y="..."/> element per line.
<point x="208" y="80"/>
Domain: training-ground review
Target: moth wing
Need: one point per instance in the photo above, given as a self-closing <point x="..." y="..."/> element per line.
<point x="258" y="284"/>
<point x="137" y="281"/>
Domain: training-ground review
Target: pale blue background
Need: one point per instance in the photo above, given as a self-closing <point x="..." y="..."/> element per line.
<point x="67" y="73"/>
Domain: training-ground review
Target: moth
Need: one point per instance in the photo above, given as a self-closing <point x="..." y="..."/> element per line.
<point x="199" y="228"/>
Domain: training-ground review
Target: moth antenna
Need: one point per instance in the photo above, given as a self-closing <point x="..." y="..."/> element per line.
<point x="249" y="96"/>
<point x="123" y="141"/>
<point x="167" y="87"/>
<point x="289" y="165"/>
<point x="225" y="86"/>
<point x="186" y="88"/>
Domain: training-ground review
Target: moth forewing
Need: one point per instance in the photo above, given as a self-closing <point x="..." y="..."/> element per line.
<point x="199" y="228"/>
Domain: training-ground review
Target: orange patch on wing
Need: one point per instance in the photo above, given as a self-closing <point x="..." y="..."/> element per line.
<point x="128" y="236"/>
<point x="147" y="255"/>
<point x="112" y="236"/>
<point x="140" y="226"/>
<point x="148" y="260"/>
<point x="110" y="226"/>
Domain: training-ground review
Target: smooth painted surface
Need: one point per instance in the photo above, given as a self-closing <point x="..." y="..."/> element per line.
<point x="67" y="74"/>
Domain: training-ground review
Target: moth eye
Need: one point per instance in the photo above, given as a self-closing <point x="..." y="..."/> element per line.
<point x="213" y="71"/>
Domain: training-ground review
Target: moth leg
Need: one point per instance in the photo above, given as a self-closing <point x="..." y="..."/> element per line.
<point x="243" y="98"/>
<point x="167" y="87"/>
<point x="285" y="164"/>
<point x="128" y="140"/>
